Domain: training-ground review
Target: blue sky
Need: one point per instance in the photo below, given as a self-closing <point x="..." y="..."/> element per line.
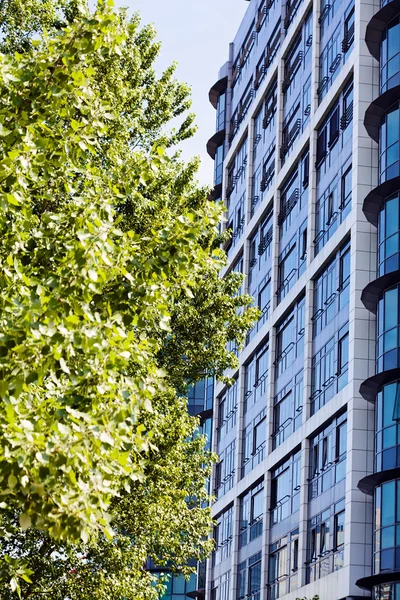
<point x="196" y="34"/>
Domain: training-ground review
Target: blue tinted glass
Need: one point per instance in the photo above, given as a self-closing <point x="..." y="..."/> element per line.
<point x="388" y="505"/>
<point x="392" y="127"/>
<point x="396" y="409"/>
<point x="392" y="154"/>
<point x="389" y="437"/>
<point x="392" y="216"/>
<point x="393" y="66"/>
<point x="387" y="560"/>
<point x="391" y="319"/>
<point x="393" y="39"/>
<point x="178" y="584"/>
<point x="389" y="458"/>
<point x="390" y="340"/>
<point x="392" y="245"/>
<point x="390" y="360"/>
<point x="387" y="537"/>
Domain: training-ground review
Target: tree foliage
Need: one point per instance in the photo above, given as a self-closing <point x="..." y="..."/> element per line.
<point x="110" y="305"/>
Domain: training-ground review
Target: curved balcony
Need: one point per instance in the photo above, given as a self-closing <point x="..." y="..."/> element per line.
<point x="374" y="200"/>
<point x="386" y="577"/>
<point x="390" y="55"/>
<point x="386" y="539"/>
<point x="377" y="110"/>
<point x="371" y="293"/>
<point x="371" y="386"/>
<point x="214" y="142"/>
<point x="217" y="89"/>
<point x="377" y="26"/>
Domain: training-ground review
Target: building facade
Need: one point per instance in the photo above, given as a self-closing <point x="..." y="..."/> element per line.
<point x="307" y="164"/>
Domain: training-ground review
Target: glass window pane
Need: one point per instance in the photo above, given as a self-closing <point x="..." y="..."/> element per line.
<point x="388" y="506"/>
<point x="178" y="584"/>
<point x="393" y="39"/>
<point x="387" y="537"/>
<point x="258" y="504"/>
<point x="392" y="126"/>
<point x="389" y="393"/>
<point x="391" y="318"/>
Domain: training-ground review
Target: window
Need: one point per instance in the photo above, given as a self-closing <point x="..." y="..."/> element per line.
<point x="273" y="45"/>
<point x="347" y="112"/>
<point x="261" y="15"/>
<point x="245" y="101"/>
<point x="290" y="196"/>
<point x="291" y="129"/>
<point x="227" y="409"/>
<point x="346" y="186"/>
<point x="221" y="107"/>
<point x="260" y="72"/>
<point x="243" y="55"/>
<point x="236" y="221"/>
<point x="270" y="107"/>
<point x="388" y="330"/>
<point x="328" y="457"/>
<point x="285" y="489"/>
<point x="223" y="533"/>
<point x="254" y="443"/>
<point x="290" y="338"/>
<point x="331" y="290"/>
<point x="288" y="407"/>
<point x="329" y="369"/>
<point x="330" y="62"/>
<point x="220" y="587"/>
<point x="251" y="514"/>
<point x="291" y="10"/>
<point x="343" y="360"/>
<point x="293" y="62"/>
<point x="348" y="37"/>
<point x="325" y="551"/>
<point x="287" y="269"/>
<point x="339" y="119"/>
<point x="283" y="565"/>
<point x="249" y="578"/>
<point x="388" y="236"/>
<point x="390" y="56"/>
<point x="260" y="253"/>
<point x="218" y="165"/>
<point x="306" y="102"/>
<point x="225" y="470"/>
<point x="258" y="131"/>
<point x="389" y="144"/>
<point x="268" y="171"/>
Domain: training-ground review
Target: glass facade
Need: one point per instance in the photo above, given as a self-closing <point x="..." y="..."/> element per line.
<point x="387" y="436"/>
<point x="390" y="56"/>
<point x="388" y="236"/>
<point x="283" y="565"/>
<point x="328" y="457"/>
<point x="285" y="431"/>
<point x="326" y="534"/>
<point x="389" y="144"/>
<point x="388" y="331"/>
<point x="385" y="486"/>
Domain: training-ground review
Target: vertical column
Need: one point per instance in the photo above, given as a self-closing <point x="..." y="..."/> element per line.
<point x="360" y="414"/>
<point x="233" y="593"/>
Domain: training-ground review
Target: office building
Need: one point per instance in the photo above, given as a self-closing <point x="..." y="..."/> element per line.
<point x="307" y="163"/>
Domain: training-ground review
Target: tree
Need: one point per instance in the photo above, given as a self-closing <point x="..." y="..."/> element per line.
<point x="110" y="305"/>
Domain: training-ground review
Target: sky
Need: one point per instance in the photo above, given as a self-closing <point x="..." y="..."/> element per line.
<point x="196" y="34"/>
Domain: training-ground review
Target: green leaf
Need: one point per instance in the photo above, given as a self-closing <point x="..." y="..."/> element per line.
<point x="4" y="131"/>
<point x="25" y="521"/>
